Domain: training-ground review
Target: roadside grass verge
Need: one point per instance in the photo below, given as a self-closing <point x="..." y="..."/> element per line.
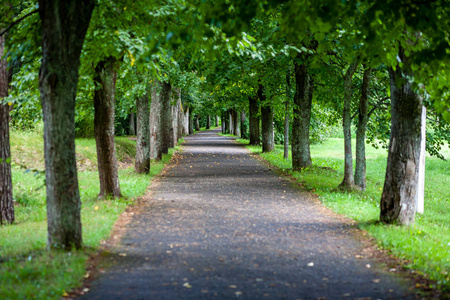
<point x="27" y="269"/>
<point x="425" y="246"/>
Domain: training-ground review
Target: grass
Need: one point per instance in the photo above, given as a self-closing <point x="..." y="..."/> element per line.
<point x="27" y="269"/>
<point x="425" y="246"/>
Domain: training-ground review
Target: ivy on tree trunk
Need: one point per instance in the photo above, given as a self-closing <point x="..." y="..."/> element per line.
<point x="104" y="111"/>
<point x="397" y="203"/>
<point x="63" y="25"/>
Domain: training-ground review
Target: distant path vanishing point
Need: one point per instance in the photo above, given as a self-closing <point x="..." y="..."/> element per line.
<point x="220" y="224"/>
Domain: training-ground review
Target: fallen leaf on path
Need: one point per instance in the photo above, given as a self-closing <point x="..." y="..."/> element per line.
<point x="232" y="286"/>
<point x="187" y="285"/>
<point x="311" y="264"/>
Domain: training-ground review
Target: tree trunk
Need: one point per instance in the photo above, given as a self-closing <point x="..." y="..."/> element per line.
<point x="222" y="118"/>
<point x="227" y="122"/>
<point x="174" y="117"/>
<point x="208" y="122"/>
<point x="6" y="196"/>
<point x="142" y="163"/>
<point x="155" y="119"/>
<point x="231" y="121"/>
<point x="254" y="120"/>
<point x="237" y="123"/>
<point x="191" y="121"/>
<point x="348" y="182"/>
<point x="268" y="143"/>
<point x="180" y="116"/>
<point x="63" y="25"/>
<point x="186" y="121"/>
<point x="360" y="164"/>
<point x="217" y="121"/>
<point x="132" y="124"/>
<point x="165" y="119"/>
<point x="397" y="203"/>
<point x="301" y="154"/>
<point x="243" y="126"/>
<point x="104" y="110"/>
<point x="197" y="124"/>
<point x="287" y="113"/>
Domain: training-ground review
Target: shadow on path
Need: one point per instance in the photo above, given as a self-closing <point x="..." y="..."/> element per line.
<point x="219" y="224"/>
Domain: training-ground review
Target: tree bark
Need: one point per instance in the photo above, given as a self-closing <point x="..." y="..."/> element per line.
<point x="64" y="25"/>
<point x="142" y="163"/>
<point x="165" y="119"/>
<point x="6" y="195"/>
<point x="197" y="124"/>
<point x="360" y="163"/>
<point x="254" y="120"/>
<point x="222" y="118"/>
<point x="180" y="116"/>
<point x="155" y="119"/>
<point x="104" y="110"/>
<point x="217" y="121"/>
<point x="243" y="127"/>
<point x="231" y="121"/>
<point x="186" y="121"/>
<point x="301" y="154"/>
<point x="132" y="124"/>
<point x="287" y="113"/>
<point x="237" y="123"/>
<point x="191" y="121"/>
<point x="174" y="117"/>
<point x="348" y="182"/>
<point x="227" y="122"/>
<point x="208" y="122"/>
<point x="268" y="143"/>
<point x="397" y="203"/>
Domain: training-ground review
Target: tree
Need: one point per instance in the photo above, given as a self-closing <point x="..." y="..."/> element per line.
<point x="254" y="120"/>
<point x="165" y="119"/>
<point x="360" y="162"/>
<point x="400" y="184"/>
<point x="348" y="182"/>
<point x="6" y="193"/>
<point x="142" y="163"/>
<point x="104" y="105"/>
<point x="304" y="83"/>
<point x="64" y="25"/>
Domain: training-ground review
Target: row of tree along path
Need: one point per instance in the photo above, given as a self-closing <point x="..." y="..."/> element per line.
<point x="220" y="224"/>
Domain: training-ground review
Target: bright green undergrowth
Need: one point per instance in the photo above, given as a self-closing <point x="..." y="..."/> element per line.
<point x="426" y="245"/>
<point x="27" y="270"/>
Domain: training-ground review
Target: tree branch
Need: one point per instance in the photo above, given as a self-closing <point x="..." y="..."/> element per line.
<point x="18" y="21"/>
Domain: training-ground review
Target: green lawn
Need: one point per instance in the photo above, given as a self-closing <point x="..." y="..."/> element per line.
<point x="426" y="245"/>
<point x="27" y="270"/>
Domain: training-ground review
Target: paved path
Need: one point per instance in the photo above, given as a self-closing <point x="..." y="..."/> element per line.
<point x="221" y="225"/>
